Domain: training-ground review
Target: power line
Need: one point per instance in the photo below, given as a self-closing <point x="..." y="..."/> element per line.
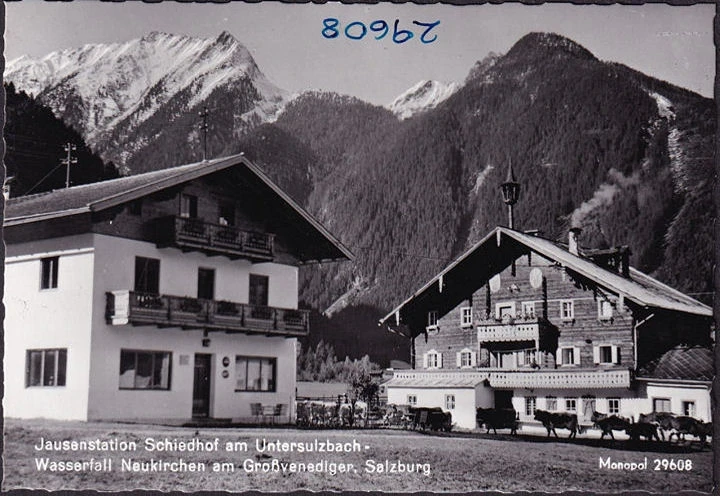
<point x="41" y="180"/>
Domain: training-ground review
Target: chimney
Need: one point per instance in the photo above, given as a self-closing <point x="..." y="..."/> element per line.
<point x="574" y="240"/>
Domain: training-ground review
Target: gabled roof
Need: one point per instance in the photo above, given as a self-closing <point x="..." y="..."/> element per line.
<point x="96" y="197"/>
<point x="693" y="363"/>
<point x="501" y="246"/>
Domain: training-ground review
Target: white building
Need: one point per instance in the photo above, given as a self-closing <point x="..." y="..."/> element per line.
<point x="166" y="295"/>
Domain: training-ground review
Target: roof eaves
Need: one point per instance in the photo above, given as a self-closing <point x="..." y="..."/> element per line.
<point x="308" y="218"/>
<point x="440" y="274"/>
<point x="610" y="279"/>
<point x="26" y="219"/>
<point x="197" y="170"/>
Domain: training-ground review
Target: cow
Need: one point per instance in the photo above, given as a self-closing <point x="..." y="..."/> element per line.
<point x="612" y="423"/>
<point x="497" y="418"/>
<point x="662" y="420"/>
<point x="642" y="429"/>
<point x="682" y="425"/>
<point x="703" y="431"/>
<point x="551" y="421"/>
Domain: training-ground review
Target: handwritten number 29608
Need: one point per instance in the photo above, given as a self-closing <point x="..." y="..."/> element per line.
<point x="357" y="30"/>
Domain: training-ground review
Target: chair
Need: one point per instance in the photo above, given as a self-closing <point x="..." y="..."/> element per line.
<point x="256" y="409"/>
<point x="280" y="411"/>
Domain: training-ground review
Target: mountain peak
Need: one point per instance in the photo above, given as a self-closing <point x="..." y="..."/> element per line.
<point x="534" y="41"/>
<point x="225" y="38"/>
<point x="423" y="96"/>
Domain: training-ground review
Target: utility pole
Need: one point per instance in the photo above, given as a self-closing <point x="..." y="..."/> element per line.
<point x="204" y="128"/>
<point x="69" y="148"/>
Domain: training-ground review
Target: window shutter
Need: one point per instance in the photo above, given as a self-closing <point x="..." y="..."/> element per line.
<point x="440" y="364"/>
<point x="576" y="355"/>
<point x="425" y="360"/>
<point x="473" y="359"/>
<point x="458" y="359"/>
<point x="615" y="354"/>
<point x="596" y="355"/>
<point x="558" y="357"/>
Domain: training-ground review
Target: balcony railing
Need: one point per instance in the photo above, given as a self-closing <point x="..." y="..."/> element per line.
<point x="130" y="307"/>
<point x="533" y="379"/>
<point x="565" y="379"/>
<point x="191" y="233"/>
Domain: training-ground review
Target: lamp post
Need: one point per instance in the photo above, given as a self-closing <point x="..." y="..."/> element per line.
<point x="511" y="193"/>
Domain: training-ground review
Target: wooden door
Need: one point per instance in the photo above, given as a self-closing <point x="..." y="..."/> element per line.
<point x="201" y="386"/>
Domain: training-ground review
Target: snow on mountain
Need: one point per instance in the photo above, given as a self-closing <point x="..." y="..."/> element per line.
<point x="98" y="87"/>
<point x="423" y="96"/>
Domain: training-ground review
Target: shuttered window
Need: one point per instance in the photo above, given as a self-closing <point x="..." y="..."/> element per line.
<point x="606" y="354"/>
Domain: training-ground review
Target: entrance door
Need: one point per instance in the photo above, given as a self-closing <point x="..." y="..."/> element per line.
<point x="503" y="399"/>
<point x="201" y="386"/>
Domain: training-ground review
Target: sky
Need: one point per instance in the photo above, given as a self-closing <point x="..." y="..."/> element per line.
<point x="668" y="42"/>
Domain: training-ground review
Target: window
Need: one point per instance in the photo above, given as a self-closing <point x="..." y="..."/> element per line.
<point x="567" y="310"/>
<point x="255" y="373"/>
<point x="528" y="309"/>
<point x="226" y="214"/>
<point x="412" y="399"/>
<point x="466" y="358"/>
<point x="432" y="319"/>
<point x="530" y="405"/>
<point x="147" y="275"/>
<point x="45" y="367"/>
<point x="206" y="284"/>
<point x="605" y="354"/>
<point x="613" y="406"/>
<point x="49" y="272"/>
<point x="688" y="408"/>
<point x="570" y="404"/>
<point x="528" y="357"/>
<point x="259" y="289"/>
<point x="145" y="369"/>
<point x="605" y="310"/>
<point x="433" y="359"/>
<point x="449" y="401"/>
<point x="551" y="403"/>
<point x="188" y="206"/>
<point x="466" y="319"/>
<point x="505" y="310"/>
<point x="569" y="356"/>
<point x="661" y="405"/>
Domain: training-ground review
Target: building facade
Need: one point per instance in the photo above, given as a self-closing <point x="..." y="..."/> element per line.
<point x="167" y="295"/>
<point x="524" y="322"/>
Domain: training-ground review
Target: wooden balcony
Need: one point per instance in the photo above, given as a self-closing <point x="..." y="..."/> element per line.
<point x="195" y="234"/>
<point x="527" y="329"/>
<point x="130" y="307"/>
<point x="532" y="379"/>
<point x="563" y="379"/>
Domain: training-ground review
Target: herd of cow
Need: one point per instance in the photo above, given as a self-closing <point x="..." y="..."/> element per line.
<point x="647" y="427"/>
<point x="653" y="426"/>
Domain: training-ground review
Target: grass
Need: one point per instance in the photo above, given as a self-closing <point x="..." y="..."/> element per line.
<point x="458" y="461"/>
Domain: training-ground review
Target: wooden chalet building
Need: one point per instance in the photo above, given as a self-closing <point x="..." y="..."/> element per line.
<point x="523" y="321"/>
<point x="166" y="295"/>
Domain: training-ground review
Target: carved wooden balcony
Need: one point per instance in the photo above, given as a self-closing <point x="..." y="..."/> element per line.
<point x="560" y="378"/>
<point x="130" y="307"/>
<point x="510" y="329"/>
<point x="195" y="234"/>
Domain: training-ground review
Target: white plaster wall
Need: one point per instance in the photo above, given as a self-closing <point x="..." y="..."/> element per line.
<point x="43" y="319"/>
<point x="114" y="269"/>
<point x="463" y="415"/>
<point x="678" y="393"/>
